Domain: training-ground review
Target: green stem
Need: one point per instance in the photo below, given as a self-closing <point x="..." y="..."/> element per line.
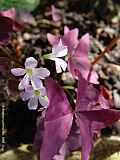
<point x="46" y="56"/>
<point x="68" y="87"/>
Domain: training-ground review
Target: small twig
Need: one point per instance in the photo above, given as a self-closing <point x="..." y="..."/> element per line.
<point x="6" y="52"/>
<point x="107" y="49"/>
<point x="50" y="23"/>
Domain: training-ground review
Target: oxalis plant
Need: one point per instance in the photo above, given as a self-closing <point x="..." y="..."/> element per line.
<point x="61" y="127"/>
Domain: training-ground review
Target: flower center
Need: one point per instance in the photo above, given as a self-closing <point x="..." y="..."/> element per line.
<point x="37" y="93"/>
<point x="29" y="71"/>
<point x="46" y="98"/>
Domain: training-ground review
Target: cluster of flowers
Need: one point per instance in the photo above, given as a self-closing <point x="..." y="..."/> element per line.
<point x="77" y="51"/>
<point x="31" y="84"/>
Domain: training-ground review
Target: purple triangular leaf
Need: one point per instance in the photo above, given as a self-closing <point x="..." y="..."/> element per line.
<point x="89" y="121"/>
<point x="70" y="39"/>
<point x="80" y="60"/>
<point x="106" y="116"/>
<point x="56" y="132"/>
<point x="87" y="95"/>
<point x="59" y="105"/>
<point x="52" y="39"/>
<point x="86" y="136"/>
<point x="73" y="141"/>
<point x="39" y="134"/>
<point x="58" y="121"/>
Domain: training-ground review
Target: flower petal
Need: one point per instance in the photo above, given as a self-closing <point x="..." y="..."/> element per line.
<point x="25" y="95"/>
<point x="30" y="62"/>
<point x="43" y="101"/>
<point x="23" y="83"/>
<point x="58" y="68"/>
<point x="41" y="72"/>
<point x="43" y="91"/>
<point x="59" y="50"/>
<point x="18" y="71"/>
<point x="33" y="103"/>
<point x="36" y="83"/>
<point x="60" y="63"/>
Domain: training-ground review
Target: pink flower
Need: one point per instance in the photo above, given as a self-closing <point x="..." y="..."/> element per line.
<point x="35" y="96"/>
<point x="31" y="74"/>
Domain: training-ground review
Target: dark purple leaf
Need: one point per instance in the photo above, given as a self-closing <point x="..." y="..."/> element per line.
<point x="12" y="87"/>
<point x="80" y="61"/>
<point x="8" y="24"/>
<point x="91" y="115"/>
<point x="6" y="28"/>
<point x="60" y="130"/>
<point x="58" y="121"/>
<point x="4" y="65"/>
<point x="73" y="141"/>
<point x="59" y="105"/>
<point x="39" y="133"/>
<point x="86" y="136"/>
<point x="86" y="121"/>
<point x="87" y="95"/>
<point x="106" y="116"/>
<point x="14" y="17"/>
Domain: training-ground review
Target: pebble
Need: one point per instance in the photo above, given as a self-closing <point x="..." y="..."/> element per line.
<point x="27" y="36"/>
<point x="116" y="98"/>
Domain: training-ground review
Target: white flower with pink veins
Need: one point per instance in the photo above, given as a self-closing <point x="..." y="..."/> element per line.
<point x="31" y="74"/>
<point x="58" y="51"/>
